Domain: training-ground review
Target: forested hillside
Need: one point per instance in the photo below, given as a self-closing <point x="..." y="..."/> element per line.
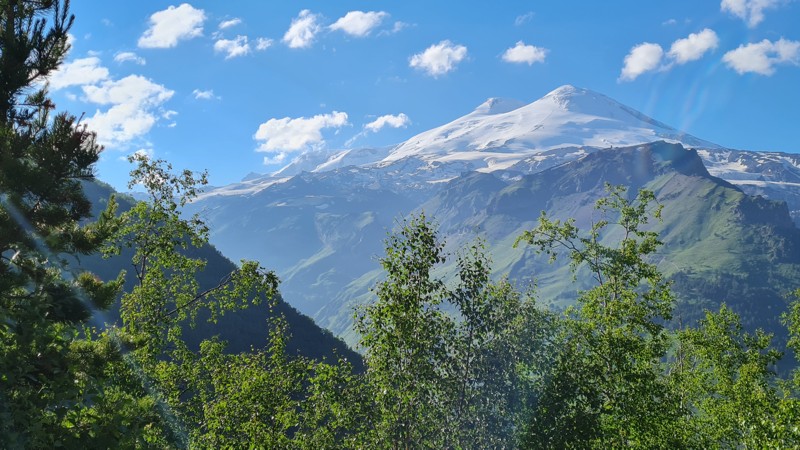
<point x="241" y="329"/>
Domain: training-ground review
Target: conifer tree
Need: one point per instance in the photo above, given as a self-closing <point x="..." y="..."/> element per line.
<point x="54" y="389"/>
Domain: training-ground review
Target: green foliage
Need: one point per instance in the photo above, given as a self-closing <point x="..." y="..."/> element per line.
<point x="724" y="378"/>
<point x="439" y="380"/>
<point x="605" y="387"/>
<point x="618" y="378"/>
<point x="55" y="385"/>
<point x="404" y="334"/>
<point x="204" y="389"/>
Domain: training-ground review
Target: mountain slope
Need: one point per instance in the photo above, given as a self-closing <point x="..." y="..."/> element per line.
<point x="242" y="329"/>
<point x="489" y="173"/>
<point x="713" y="232"/>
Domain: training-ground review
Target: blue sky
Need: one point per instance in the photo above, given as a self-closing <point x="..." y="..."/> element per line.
<point x="245" y="86"/>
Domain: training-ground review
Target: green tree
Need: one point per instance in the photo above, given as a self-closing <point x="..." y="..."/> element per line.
<point x="262" y="398"/>
<point x="54" y="383"/>
<point x="445" y="364"/>
<point x="404" y="335"/>
<point x="494" y="353"/>
<point x="606" y="388"/>
<point x="167" y="298"/>
<point x="731" y="395"/>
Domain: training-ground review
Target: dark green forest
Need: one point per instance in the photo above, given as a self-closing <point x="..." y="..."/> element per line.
<point x="451" y="361"/>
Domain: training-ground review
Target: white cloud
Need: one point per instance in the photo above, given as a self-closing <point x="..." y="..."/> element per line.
<point x="751" y="11"/>
<point x="131" y="105"/>
<point x="396" y="28"/>
<point x="281" y="136"/>
<point x="129" y="57"/>
<point x="359" y="23"/>
<point x="694" y="46"/>
<point x="399" y="26"/>
<point x="147" y="153"/>
<point x="438" y="59"/>
<point x="204" y="94"/>
<point x="523" y="18"/>
<point x="669" y="22"/>
<point x="389" y="120"/>
<point x="762" y="57"/>
<point x="78" y="72"/>
<point x="302" y="31"/>
<point x="263" y="43"/>
<point x="647" y="57"/>
<point x="233" y="47"/>
<point x="642" y="58"/>
<point x="522" y="53"/>
<point x="394" y="121"/>
<point x="131" y="89"/>
<point x="275" y="158"/>
<point x="172" y="25"/>
<point x="135" y="107"/>
<point x="225" y="24"/>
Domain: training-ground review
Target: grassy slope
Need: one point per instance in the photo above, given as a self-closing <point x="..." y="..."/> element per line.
<point x="720" y="244"/>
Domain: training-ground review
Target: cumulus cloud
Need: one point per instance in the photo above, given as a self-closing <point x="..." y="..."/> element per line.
<point x="233" y="47"/>
<point x="127" y="108"/>
<point x="762" y="57"/>
<point x="524" y="54"/>
<point x="174" y="24"/>
<point x="280" y="136"/>
<point x="647" y="57"/>
<point x="642" y="58"/>
<point x="439" y="59"/>
<point x="393" y="121"/>
<point x="204" y="94"/>
<point x="389" y="120"/>
<point x="693" y="47"/>
<point x="523" y="18"/>
<point x="122" y="57"/>
<point x="359" y="23"/>
<point x="78" y="72"/>
<point x="225" y="24"/>
<point x="263" y="43"/>
<point x="134" y="106"/>
<point x="302" y="31"/>
<point x="751" y="11"/>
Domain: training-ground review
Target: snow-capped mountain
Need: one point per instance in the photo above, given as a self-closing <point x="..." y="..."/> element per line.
<point x="319" y="221"/>
<point x="500" y="133"/>
<point x="512" y="138"/>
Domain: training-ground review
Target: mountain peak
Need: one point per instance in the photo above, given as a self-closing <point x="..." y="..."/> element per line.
<point x="585" y="101"/>
<point x="565" y="90"/>
<point x="501" y="131"/>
